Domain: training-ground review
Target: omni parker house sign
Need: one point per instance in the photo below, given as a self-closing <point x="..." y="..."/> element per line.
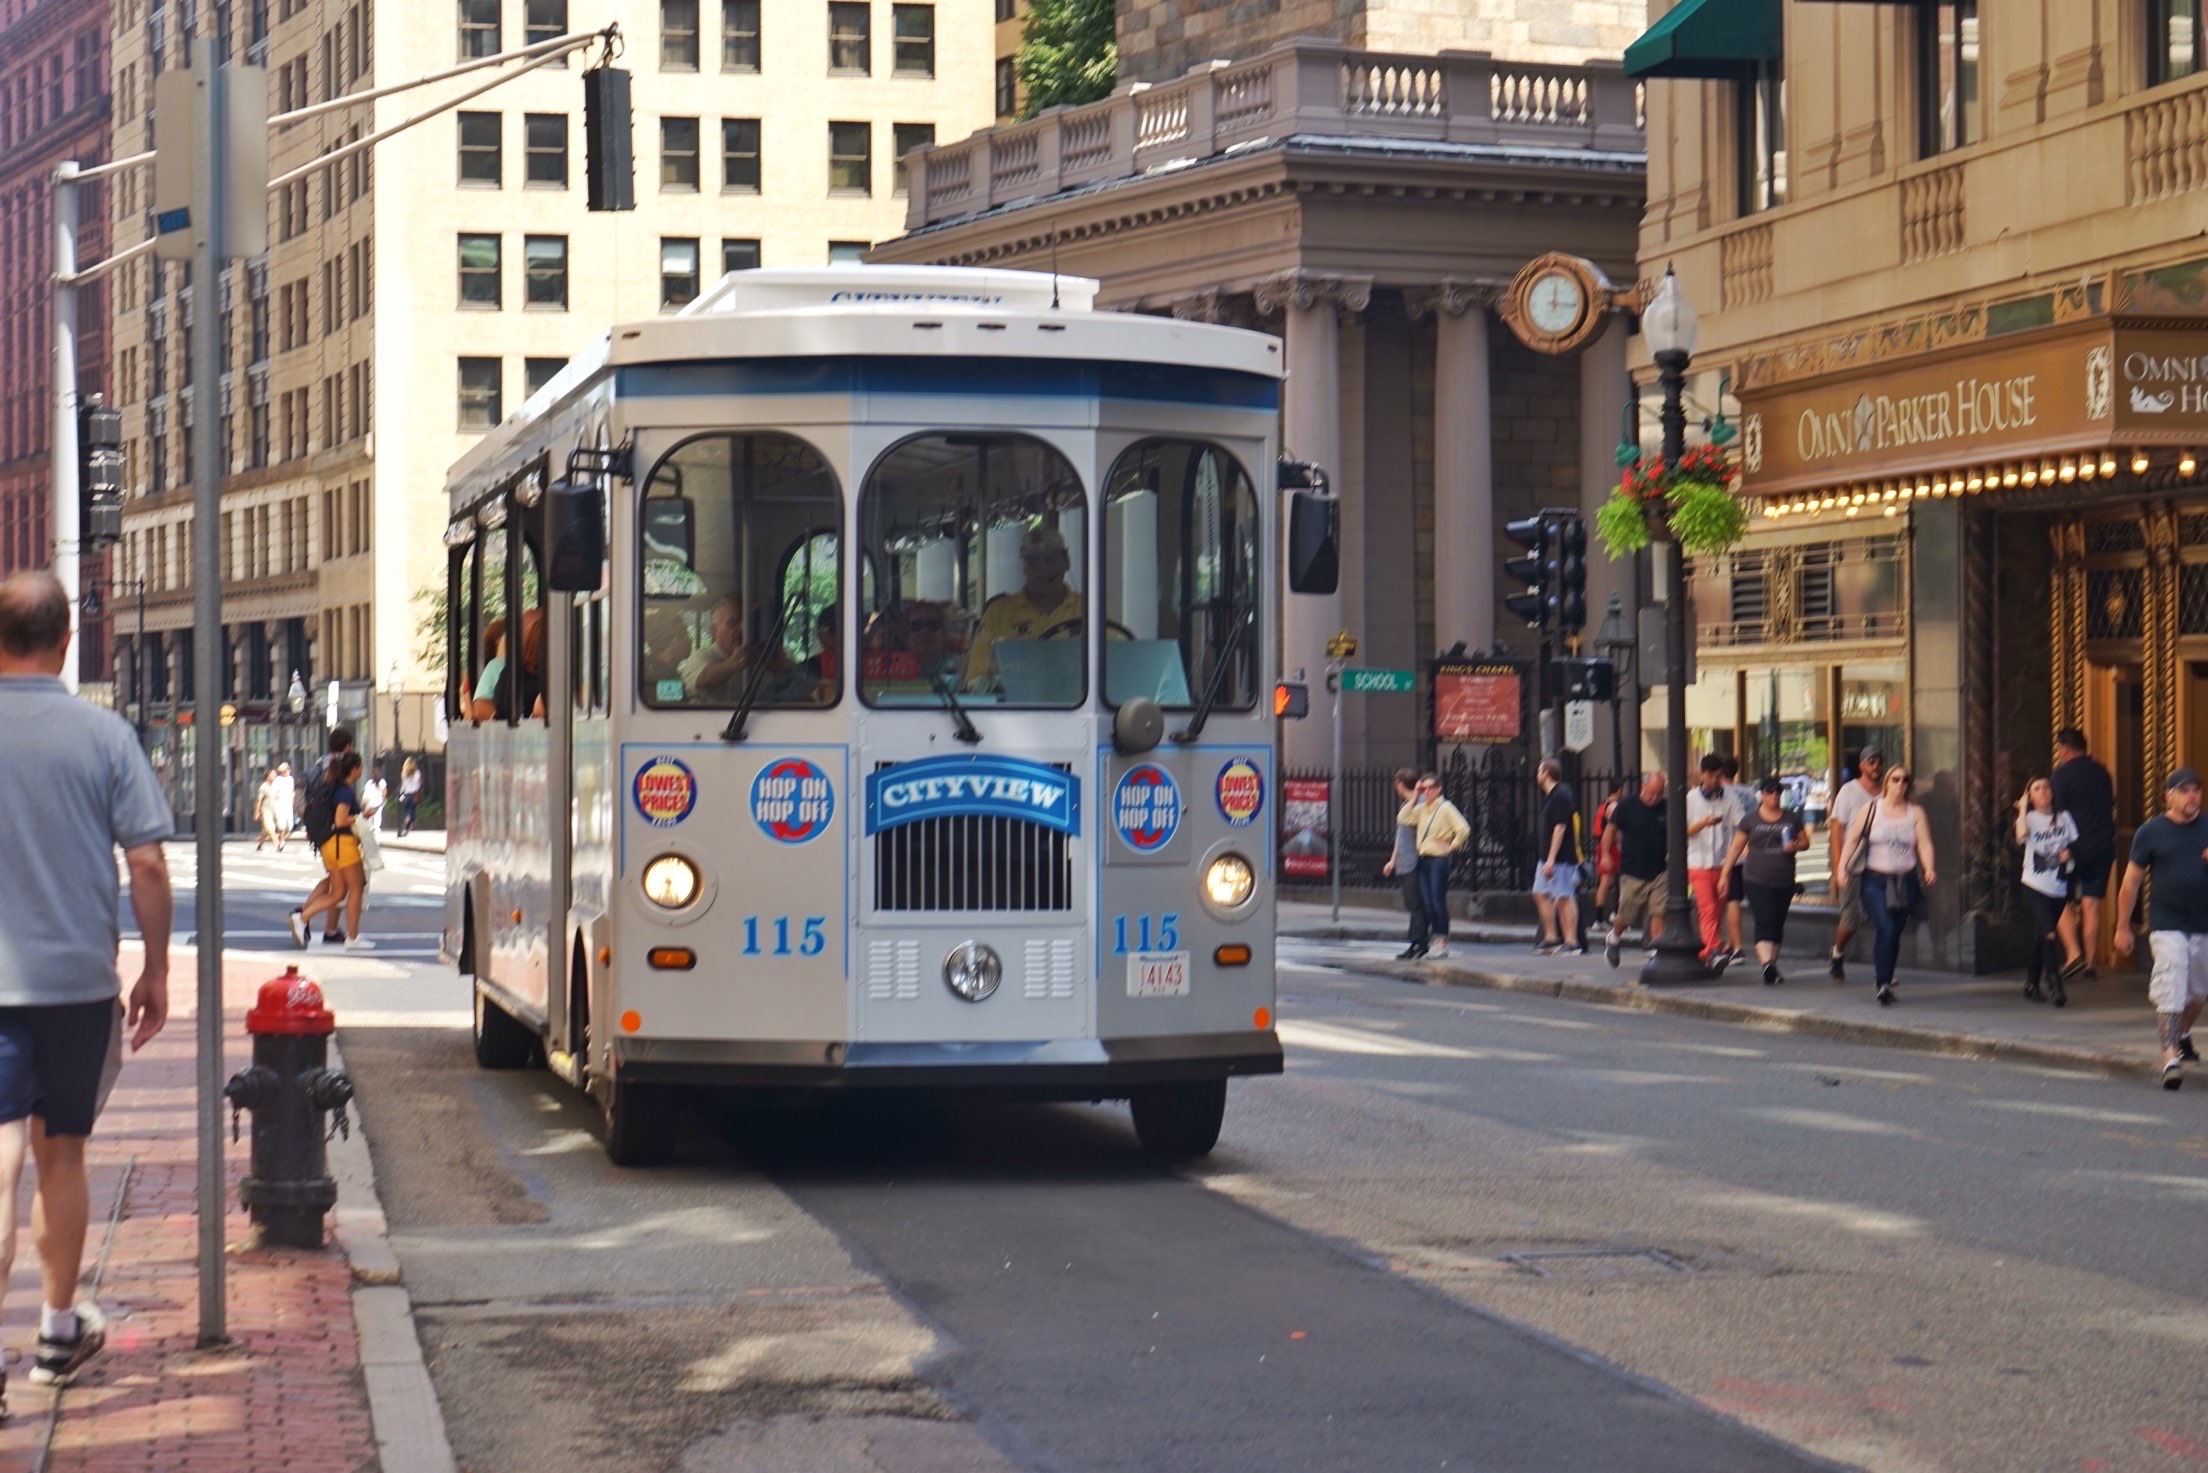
<point x="2099" y="384"/>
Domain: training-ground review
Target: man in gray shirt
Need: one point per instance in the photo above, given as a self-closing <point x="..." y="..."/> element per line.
<point x="74" y="787"/>
<point x="1402" y="866"/>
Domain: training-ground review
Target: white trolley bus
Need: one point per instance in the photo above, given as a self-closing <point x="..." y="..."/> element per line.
<point x="863" y="679"/>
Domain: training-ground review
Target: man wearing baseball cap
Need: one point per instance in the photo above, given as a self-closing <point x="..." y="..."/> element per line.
<point x="2173" y="848"/>
<point x="1848" y="807"/>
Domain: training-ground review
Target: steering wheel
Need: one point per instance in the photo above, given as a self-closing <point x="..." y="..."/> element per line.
<point x="1113" y="629"/>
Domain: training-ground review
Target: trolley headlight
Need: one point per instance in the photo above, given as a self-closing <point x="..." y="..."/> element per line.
<point x="1228" y="881"/>
<point x="671" y="882"/>
<point x="972" y="971"/>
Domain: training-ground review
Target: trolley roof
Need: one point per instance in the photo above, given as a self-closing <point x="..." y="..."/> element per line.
<point x="887" y="311"/>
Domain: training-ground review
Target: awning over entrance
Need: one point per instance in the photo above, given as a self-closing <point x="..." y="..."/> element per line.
<point x="2101" y="403"/>
<point x="1723" y="39"/>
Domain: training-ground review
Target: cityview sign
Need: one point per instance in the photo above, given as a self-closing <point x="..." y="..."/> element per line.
<point x="2094" y="385"/>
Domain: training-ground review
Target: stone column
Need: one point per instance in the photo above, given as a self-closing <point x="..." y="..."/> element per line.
<point x="1311" y="428"/>
<point x="1464" y="465"/>
<point x="1604" y="385"/>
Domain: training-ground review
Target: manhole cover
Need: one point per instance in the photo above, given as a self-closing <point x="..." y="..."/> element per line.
<point x="1596" y="1263"/>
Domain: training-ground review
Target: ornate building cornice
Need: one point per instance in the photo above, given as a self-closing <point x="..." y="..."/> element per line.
<point x="1300" y="289"/>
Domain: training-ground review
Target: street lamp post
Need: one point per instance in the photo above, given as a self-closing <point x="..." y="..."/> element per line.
<point x="1669" y="326"/>
<point x="391" y="678"/>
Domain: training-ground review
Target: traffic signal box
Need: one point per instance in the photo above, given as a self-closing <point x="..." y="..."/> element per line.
<point x="99" y="473"/>
<point x="609" y="152"/>
<point x="1553" y="569"/>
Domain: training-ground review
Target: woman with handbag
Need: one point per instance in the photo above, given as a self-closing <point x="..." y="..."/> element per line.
<point x="2047" y="837"/>
<point x="1764" y="847"/>
<point x="1889" y="854"/>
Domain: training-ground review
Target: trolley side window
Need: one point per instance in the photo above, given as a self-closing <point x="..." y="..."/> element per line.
<point x="979" y="540"/>
<point x="739" y="563"/>
<point x="504" y="678"/>
<point x="1180" y="576"/>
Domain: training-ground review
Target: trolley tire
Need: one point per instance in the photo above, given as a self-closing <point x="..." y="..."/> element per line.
<point x="501" y="1040"/>
<point x="640" y="1122"/>
<point x="1179" y="1122"/>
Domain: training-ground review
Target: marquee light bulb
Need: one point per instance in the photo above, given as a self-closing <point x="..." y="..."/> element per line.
<point x="2138" y="462"/>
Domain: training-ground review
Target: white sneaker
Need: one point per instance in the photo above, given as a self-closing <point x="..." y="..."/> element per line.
<point x="360" y="943"/>
<point x="1438" y="949"/>
<point x="298" y="924"/>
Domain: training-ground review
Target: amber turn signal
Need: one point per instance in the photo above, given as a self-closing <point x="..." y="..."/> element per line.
<point x="1233" y="955"/>
<point x="671" y="958"/>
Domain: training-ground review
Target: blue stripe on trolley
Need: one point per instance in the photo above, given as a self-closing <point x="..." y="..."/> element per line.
<point x="995" y="377"/>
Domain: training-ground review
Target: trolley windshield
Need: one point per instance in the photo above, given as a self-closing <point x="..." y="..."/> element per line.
<point x="979" y="538"/>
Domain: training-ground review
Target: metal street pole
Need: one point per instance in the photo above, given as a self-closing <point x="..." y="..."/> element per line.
<point x="210" y="191"/>
<point x="64" y="514"/>
<point x="1334" y="788"/>
<point x="1678" y="958"/>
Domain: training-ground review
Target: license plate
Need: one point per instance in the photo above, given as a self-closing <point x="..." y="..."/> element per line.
<point x="1157" y="974"/>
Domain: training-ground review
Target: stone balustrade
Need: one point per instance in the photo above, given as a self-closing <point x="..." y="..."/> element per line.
<point x="1302" y="87"/>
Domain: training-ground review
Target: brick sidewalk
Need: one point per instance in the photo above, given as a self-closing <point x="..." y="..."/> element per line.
<point x="287" y="1390"/>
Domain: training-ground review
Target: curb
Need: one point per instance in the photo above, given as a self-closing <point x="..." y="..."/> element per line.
<point x="1949" y="1043"/>
<point x="403" y="1409"/>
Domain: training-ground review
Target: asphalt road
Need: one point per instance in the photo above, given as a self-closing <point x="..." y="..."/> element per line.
<point x="1467" y="1229"/>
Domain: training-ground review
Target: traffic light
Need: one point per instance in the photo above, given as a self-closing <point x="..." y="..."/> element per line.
<point x="1291" y="700"/>
<point x="1568" y="574"/>
<point x="1534" y="569"/>
<point x="99" y="473"/>
<point x="609" y="152"/>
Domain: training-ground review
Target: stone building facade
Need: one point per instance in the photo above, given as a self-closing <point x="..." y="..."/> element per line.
<point x="54" y="105"/>
<point x="1161" y="39"/>
<point x="1949" y="258"/>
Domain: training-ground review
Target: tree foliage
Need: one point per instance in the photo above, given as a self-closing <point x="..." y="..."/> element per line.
<point x="1068" y="54"/>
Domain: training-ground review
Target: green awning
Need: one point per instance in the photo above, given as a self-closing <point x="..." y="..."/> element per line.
<point x="1725" y="39"/>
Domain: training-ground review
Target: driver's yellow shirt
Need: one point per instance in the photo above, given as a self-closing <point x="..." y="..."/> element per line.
<point x="1015" y="616"/>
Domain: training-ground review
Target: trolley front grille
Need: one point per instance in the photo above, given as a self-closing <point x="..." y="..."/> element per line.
<point x="973" y="863"/>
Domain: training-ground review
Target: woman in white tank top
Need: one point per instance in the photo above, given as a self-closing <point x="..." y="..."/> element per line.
<point x="1897" y="846"/>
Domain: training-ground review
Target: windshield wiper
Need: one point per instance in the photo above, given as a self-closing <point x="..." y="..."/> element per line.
<point x="1240" y="613"/>
<point x="734" y="732"/>
<point x="967" y="731"/>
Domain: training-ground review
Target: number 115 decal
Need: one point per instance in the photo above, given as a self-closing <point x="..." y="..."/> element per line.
<point x="775" y="932"/>
<point x="1146" y="933"/>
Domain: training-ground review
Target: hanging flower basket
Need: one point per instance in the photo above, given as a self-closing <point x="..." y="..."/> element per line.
<point x="1695" y="497"/>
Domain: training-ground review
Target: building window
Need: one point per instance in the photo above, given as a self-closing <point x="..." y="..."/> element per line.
<point x="850" y="41"/>
<point x="678" y="272"/>
<point x="479" y="149"/>
<point x="739" y="255"/>
<point x="678" y="35"/>
<point x="478" y="28"/>
<point x="545" y="139"/>
<point x="912" y="40"/>
<point x="545" y="20"/>
<point x="847" y="252"/>
<point x="1760" y="139"/>
<point x="850" y="158"/>
<point x="479" y="271"/>
<point x="1947" y="77"/>
<point x="739" y="35"/>
<point x="1008" y="87"/>
<point x="2175" y="43"/>
<point x="740" y="155"/>
<point x="678" y="155"/>
<point x="1008" y="10"/>
<point x="544" y="264"/>
<point x="540" y="371"/>
<point x="479" y="394"/>
<point x="908" y="136"/>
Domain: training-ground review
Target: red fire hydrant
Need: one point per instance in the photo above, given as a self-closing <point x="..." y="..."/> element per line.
<point x="289" y="1088"/>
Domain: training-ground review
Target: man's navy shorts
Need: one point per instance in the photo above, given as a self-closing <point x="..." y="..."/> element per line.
<point x="58" y="1062"/>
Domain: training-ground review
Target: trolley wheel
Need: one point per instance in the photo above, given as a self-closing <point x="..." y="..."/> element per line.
<point x="1179" y="1122"/>
<point x="500" y="1041"/>
<point x="640" y="1122"/>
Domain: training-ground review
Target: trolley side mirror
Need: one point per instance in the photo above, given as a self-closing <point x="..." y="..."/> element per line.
<point x="574" y="535"/>
<point x="1314" y="528"/>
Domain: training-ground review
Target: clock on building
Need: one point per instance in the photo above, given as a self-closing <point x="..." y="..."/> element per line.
<point x="1556" y="303"/>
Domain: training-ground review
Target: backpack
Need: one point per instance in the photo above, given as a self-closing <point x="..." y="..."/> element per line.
<point x="320" y="813"/>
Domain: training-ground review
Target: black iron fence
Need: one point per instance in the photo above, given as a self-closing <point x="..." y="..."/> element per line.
<point x="1493" y="787"/>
